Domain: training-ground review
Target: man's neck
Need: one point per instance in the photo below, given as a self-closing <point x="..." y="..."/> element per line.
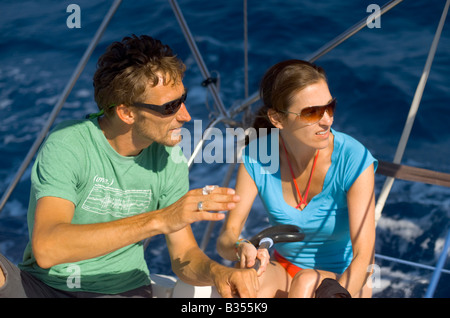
<point x="119" y="136"/>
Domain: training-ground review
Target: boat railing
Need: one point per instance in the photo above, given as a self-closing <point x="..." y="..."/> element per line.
<point x="391" y="170"/>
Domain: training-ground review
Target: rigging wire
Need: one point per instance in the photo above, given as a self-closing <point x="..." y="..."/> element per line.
<point x="412" y="114"/>
<point x="62" y="99"/>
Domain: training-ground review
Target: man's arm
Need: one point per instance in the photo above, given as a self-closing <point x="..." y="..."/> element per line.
<point x="192" y="266"/>
<point x="55" y="240"/>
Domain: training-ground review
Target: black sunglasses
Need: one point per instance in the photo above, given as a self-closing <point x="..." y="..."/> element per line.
<point x="168" y="108"/>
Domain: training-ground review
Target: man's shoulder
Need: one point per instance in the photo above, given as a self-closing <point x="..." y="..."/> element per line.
<point x="70" y="125"/>
<point x="70" y="130"/>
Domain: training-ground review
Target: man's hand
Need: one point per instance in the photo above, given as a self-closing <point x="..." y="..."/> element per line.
<point x="195" y="206"/>
<point x="234" y="283"/>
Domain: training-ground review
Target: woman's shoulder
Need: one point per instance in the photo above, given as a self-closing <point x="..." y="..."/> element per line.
<point x="346" y="143"/>
<point x="352" y="157"/>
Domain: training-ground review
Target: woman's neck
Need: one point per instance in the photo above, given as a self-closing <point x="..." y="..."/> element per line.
<point x="301" y="156"/>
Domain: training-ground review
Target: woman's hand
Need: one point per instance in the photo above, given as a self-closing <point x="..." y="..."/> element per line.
<point x="250" y="257"/>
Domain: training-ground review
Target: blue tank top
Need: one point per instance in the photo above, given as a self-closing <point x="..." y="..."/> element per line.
<point x="327" y="244"/>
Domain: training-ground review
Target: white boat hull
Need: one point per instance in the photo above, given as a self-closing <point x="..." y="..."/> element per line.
<point x="165" y="286"/>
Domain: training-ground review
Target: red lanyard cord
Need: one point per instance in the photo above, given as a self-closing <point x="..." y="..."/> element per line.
<point x="302" y="199"/>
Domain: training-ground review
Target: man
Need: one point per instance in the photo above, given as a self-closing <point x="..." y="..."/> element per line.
<point x="101" y="186"/>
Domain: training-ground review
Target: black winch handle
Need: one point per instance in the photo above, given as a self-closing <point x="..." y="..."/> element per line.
<point x="284" y="233"/>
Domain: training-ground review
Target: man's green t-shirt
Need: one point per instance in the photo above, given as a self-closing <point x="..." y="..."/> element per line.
<point x="77" y="163"/>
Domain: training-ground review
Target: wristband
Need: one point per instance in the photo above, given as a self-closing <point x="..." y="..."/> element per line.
<point x="236" y="246"/>
<point x="241" y="241"/>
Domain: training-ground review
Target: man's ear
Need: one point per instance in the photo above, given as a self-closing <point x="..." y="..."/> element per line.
<point x="275" y="118"/>
<point x="125" y="114"/>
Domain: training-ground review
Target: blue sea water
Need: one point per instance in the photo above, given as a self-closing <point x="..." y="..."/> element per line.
<point x="374" y="75"/>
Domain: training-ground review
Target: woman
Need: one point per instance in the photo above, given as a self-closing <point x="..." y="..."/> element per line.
<point x="324" y="184"/>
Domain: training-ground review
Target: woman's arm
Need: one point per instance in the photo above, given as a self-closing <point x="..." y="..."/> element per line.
<point x="361" y="209"/>
<point x="235" y="220"/>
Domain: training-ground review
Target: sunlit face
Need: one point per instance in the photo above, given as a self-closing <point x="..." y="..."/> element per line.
<point x="150" y="126"/>
<point x="316" y="135"/>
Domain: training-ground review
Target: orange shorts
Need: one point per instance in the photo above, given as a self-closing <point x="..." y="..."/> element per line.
<point x="288" y="266"/>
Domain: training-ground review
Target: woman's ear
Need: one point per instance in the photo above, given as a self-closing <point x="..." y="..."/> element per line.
<point x="125" y="114"/>
<point x="275" y="118"/>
